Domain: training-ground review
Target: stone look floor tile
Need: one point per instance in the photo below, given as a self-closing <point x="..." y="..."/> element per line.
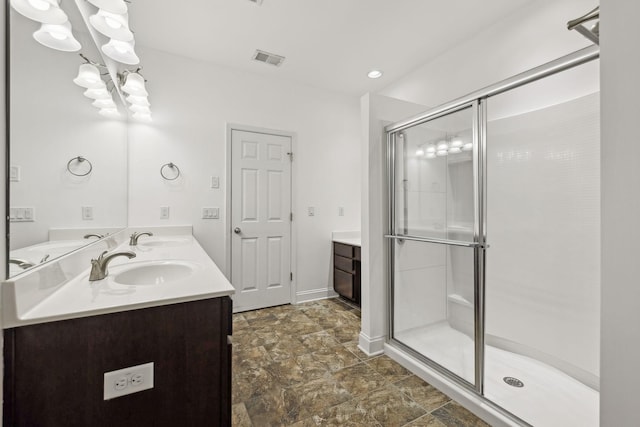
<point x="422" y="393"/>
<point x="426" y="421"/>
<point x="390" y="407"/>
<point x="453" y="414"/>
<point x="388" y="368"/>
<point x="299" y="365"/>
<point x="359" y="379"/>
<point x="314" y="396"/>
<point x="240" y="416"/>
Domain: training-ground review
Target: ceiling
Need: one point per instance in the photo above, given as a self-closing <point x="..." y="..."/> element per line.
<point x="331" y="44"/>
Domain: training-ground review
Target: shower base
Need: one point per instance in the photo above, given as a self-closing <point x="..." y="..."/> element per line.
<point x="548" y="396"/>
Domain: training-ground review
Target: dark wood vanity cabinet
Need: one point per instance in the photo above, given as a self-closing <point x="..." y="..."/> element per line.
<point x="54" y="372"/>
<point x="346" y="271"/>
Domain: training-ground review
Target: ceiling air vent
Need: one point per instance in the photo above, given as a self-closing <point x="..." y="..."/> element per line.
<point x="268" y="58"/>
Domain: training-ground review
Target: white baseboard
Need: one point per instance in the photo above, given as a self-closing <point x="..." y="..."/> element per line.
<point x="371" y="346"/>
<point x="314" y="294"/>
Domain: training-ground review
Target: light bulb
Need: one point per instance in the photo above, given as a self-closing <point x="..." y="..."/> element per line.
<point x="121" y="51"/>
<point x="140" y="109"/>
<point x="89" y="77"/>
<point x="441" y="153"/>
<point x="101" y="93"/>
<point x="104" y="103"/>
<point x="443" y="146"/>
<point x="419" y="152"/>
<point x="113" y="6"/>
<point x="134" y="85"/>
<point x="113" y="25"/>
<point x="40" y="4"/>
<point x="374" y="74"/>
<point x="431" y="148"/>
<point x="138" y="100"/>
<point x="468" y="146"/>
<point x="455" y="150"/>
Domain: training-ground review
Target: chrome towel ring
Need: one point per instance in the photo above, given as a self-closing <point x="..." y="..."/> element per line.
<point x="171" y="166"/>
<point x="79" y="160"/>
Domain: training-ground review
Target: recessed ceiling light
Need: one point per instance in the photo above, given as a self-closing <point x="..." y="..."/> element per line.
<point x="374" y="74"/>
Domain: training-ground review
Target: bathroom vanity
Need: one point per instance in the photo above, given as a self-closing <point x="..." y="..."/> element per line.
<point x="346" y="265"/>
<point x="61" y="338"/>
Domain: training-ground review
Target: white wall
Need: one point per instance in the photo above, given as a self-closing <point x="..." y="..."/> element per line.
<point x="192" y="103"/>
<point x="620" y="375"/>
<point x="3" y="142"/>
<point x="51" y="123"/>
<point x="525" y="39"/>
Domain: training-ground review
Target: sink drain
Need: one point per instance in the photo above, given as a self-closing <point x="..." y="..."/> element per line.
<point x="513" y="382"/>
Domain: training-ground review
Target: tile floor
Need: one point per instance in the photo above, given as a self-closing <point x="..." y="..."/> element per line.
<point x="300" y="366"/>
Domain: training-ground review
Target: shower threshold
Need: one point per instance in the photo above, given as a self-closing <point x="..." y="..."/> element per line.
<point x="549" y="397"/>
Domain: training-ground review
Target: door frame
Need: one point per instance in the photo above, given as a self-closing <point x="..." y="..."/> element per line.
<point x="227" y="220"/>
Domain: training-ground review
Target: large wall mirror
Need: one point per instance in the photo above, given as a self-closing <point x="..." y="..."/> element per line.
<point x="67" y="163"/>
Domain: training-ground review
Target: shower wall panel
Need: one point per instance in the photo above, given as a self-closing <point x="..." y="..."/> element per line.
<point x="543" y="219"/>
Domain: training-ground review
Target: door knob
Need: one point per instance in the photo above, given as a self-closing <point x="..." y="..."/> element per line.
<point x="237" y="230"/>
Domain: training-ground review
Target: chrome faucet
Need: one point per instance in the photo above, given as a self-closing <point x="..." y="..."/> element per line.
<point x="99" y="266"/>
<point x="22" y="263"/>
<point x="133" y="240"/>
<point x="99" y="236"/>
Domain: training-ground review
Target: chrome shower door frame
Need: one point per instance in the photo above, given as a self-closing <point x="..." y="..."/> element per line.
<point x="476" y="100"/>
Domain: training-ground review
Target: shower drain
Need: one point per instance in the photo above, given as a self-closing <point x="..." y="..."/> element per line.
<point x="513" y="382"/>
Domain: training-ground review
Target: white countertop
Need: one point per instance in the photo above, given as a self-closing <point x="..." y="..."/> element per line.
<point x="347" y="237"/>
<point x="78" y="297"/>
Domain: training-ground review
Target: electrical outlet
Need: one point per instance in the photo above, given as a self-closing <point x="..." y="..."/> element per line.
<point x="215" y="182"/>
<point x="210" y="213"/>
<point x="128" y="380"/>
<point x="14" y="173"/>
<point x="164" y="212"/>
<point x="311" y="211"/>
<point x="87" y="213"/>
<point x="22" y="215"/>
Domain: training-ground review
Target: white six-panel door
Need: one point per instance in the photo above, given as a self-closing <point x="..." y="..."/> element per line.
<point x="260" y="219"/>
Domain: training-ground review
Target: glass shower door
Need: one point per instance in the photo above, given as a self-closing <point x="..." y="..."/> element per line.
<point x="435" y="241"/>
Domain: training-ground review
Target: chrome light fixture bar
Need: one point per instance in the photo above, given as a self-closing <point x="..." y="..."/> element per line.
<point x="578" y="24"/>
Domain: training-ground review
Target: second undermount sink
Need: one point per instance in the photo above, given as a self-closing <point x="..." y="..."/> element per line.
<point x="153" y="272"/>
<point x="163" y="241"/>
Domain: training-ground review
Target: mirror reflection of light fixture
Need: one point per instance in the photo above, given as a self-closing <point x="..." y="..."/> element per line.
<point x="113" y="25"/>
<point x="140" y="109"/>
<point x="419" y="152"/>
<point x="431" y="149"/>
<point x="430" y="155"/>
<point x="134" y="85"/>
<point x="456" y="143"/>
<point x="44" y="11"/>
<point x="468" y="146"/>
<point x="89" y="77"/>
<point x="443" y="146"/>
<point x="57" y="36"/>
<point x="113" y="6"/>
<point x="121" y="51"/>
<point x="106" y="103"/>
<point x="441" y="153"/>
<point x="455" y="150"/>
<point x="100" y="93"/>
<point x="111" y="113"/>
<point x="138" y="100"/>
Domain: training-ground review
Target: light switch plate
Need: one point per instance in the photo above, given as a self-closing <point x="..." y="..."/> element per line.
<point x="164" y="212"/>
<point x="22" y="214"/>
<point x="340" y="211"/>
<point x="128" y="380"/>
<point x="311" y="211"/>
<point x="14" y="173"/>
<point x="87" y="213"/>
<point x="215" y="182"/>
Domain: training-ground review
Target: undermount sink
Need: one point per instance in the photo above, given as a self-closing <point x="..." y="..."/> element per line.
<point x="163" y="242"/>
<point x="154" y="272"/>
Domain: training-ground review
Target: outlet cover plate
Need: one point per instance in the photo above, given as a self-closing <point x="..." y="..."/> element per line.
<point x="128" y="380"/>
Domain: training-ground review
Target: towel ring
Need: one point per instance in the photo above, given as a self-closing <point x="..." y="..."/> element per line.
<point x="170" y="165"/>
<point x="79" y="159"/>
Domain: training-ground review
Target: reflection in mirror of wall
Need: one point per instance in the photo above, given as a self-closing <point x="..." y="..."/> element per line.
<point x="51" y="126"/>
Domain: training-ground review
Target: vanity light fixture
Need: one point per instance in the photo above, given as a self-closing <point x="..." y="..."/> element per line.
<point x="430" y="155"/>
<point x="138" y="100"/>
<point x="419" y="152"/>
<point x="467" y="147"/>
<point x="113" y="25"/>
<point x="113" y="6"/>
<point x="89" y="77"/>
<point x="99" y="93"/>
<point x="431" y="149"/>
<point x="106" y="103"/>
<point x="121" y="51"/>
<point x="111" y="113"/>
<point x="134" y="85"/>
<point x="374" y="74"/>
<point x="455" y="150"/>
<point x="456" y="143"/>
<point x="44" y="11"/>
<point x="443" y="146"/>
<point x="441" y="153"/>
<point x="57" y="36"/>
<point x="140" y="109"/>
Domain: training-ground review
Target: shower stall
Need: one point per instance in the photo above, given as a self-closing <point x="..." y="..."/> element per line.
<point x="493" y="242"/>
